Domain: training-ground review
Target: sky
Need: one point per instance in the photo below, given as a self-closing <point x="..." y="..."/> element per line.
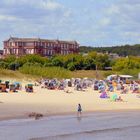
<point x="90" y="22"/>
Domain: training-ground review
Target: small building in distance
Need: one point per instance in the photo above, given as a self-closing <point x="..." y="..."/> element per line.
<point x="112" y="55"/>
<point x="44" y="47"/>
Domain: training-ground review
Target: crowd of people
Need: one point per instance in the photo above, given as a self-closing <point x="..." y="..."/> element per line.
<point x="82" y="83"/>
<point x="114" y="84"/>
<point x="111" y="84"/>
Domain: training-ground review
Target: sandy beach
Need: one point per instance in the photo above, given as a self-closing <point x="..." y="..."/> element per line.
<point x="58" y="102"/>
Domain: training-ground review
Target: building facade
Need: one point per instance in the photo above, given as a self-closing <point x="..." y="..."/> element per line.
<point x="43" y="47"/>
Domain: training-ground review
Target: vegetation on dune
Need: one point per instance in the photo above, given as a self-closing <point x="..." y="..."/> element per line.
<point x="127" y="63"/>
<point x="10" y="74"/>
<point x="74" y="74"/>
<point x="60" y="66"/>
<point x="79" y="62"/>
<point x="91" y="74"/>
<point x="125" y="50"/>
<point x="49" y="72"/>
<point x="71" y="61"/>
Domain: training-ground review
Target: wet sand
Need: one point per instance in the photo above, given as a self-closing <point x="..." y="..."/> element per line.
<point x="97" y="126"/>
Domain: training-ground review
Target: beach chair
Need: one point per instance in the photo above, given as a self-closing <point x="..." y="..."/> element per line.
<point x="7" y="84"/>
<point x="29" y="88"/>
<point x="51" y="86"/>
<point x="12" y="88"/>
<point x="69" y="84"/>
<point x="2" y="87"/>
<point x="17" y="85"/>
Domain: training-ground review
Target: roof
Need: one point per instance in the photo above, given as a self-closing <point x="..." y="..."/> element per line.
<point x="126" y="76"/>
<point x="122" y="76"/>
<point x="113" y="75"/>
<point x="39" y="39"/>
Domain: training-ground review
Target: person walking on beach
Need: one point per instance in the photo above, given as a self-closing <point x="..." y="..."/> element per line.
<point x="79" y="111"/>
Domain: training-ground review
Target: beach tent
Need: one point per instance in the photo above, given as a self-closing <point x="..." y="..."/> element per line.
<point x="85" y="78"/>
<point x="121" y="76"/>
<point x="103" y="95"/>
<point x="111" y="76"/>
<point x="126" y="76"/>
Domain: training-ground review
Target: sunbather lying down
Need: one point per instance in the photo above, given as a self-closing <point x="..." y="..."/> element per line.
<point x="67" y="91"/>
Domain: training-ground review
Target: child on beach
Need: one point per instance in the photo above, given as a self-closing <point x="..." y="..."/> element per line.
<point x="79" y="111"/>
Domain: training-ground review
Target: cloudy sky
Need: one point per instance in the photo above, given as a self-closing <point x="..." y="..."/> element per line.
<point x="90" y="22"/>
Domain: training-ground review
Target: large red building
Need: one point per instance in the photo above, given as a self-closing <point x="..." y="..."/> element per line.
<point x="43" y="47"/>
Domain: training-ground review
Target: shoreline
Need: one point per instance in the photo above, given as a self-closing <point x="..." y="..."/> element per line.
<point x="69" y="114"/>
<point x="107" y="125"/>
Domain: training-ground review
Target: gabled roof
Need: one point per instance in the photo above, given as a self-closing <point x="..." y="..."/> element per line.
<point x="39" y="39"/>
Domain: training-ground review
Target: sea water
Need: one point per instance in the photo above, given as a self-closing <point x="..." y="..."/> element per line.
<point x="95" y="126"/>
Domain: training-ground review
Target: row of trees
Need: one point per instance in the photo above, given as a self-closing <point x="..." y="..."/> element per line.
<point x="125" y="50"/>
<point x="91" y="61"/>
<point x="129" y="63"/>
<point x="70" y="62"/>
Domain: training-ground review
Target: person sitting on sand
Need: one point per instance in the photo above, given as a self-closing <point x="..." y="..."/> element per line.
<point x="124" y="90"/>
<point x="119" y="99"/>
<point x="118" y="86"/>
<point x="67" y="91"/>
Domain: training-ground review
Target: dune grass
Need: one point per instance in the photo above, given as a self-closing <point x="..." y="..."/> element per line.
<point x="55" y="72"/>
<point x="91" y="74"/>
<point x="100" y="74"/>
<point x="9" y="74"/>
<point x="46" y="72"/>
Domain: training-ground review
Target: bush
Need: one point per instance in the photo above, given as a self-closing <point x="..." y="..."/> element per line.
<point x="3" y="65"/>
<point x="127" y="63"/>
<point x="133" y="72"/>
<point x="9" y="59"/>
<point x="32" y="59"/>
<point x="71" y="66"/>
<point x="13" y="66"/>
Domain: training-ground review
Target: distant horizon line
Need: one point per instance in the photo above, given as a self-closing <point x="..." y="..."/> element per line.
<point x="119" y="45"/>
